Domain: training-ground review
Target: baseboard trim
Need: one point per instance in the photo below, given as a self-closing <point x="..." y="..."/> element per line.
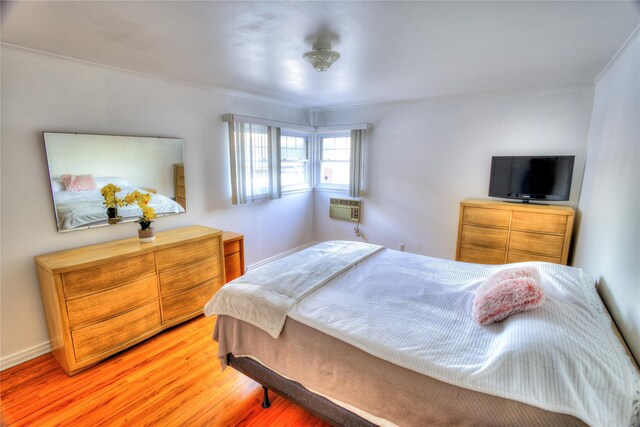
<point x="24" y="355"/>
<point x="281" y="255"/>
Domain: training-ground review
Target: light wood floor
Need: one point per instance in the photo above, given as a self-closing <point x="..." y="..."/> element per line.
<point x="172" y="379"/>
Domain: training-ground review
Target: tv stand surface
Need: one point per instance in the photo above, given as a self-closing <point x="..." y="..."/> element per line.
<point x="525" y="202"/>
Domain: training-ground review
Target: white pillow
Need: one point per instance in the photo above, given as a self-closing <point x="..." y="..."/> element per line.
<point x="57" y="185"/>
<point x="101" y="181"/>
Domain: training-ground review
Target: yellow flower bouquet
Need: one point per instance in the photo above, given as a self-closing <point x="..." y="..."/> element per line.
<point x="142" y="199"/>
<point x="109" y="192"/>
<point x="112" y="202"/>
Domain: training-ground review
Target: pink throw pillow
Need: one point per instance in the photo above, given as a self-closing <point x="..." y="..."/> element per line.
<point x="79" y="182"/>
<point x="507" y="292"/>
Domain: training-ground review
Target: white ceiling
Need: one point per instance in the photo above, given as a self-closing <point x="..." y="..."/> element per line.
<point x="390" y="50"/>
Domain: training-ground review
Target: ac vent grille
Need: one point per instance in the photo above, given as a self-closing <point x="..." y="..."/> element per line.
<point x="345" y="209"/>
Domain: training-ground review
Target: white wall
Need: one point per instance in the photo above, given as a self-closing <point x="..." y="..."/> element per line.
<point x="47" y="93"/>
<point x="608" y="244"/>
<point x="425" y="157"/>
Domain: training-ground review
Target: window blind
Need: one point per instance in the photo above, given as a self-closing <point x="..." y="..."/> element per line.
<point x="255" y="162"/>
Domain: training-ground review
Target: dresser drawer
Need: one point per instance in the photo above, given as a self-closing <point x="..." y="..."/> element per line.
<point x="480" y="255"/>
<point x="96" y="307"/>
<point x="484" y="236"/>
<point x="542" y="244"/>
<point x="515" y="256"/>
<point x="233" y="255"/>
<point x="189" y="301"/>
<point x="232" y="266"/>
<point x="101" y="337"/>
<point x="187" y="276"/>
<point x="541" y="222"/>
<point x="491" y="217"/>
<point x="231" y="247"/>
<point x="107" y="275"/>
<point x="187" y="253"/>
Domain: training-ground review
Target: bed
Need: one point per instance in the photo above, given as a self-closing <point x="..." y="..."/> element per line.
<point x="362" y="335"/>
<point x="76" y="209"/>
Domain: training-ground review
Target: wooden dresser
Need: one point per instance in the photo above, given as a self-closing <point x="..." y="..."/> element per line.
<point x="233" y="255"/>
<point x="180" y="188"/>
<point x="494" y="232"/>
<point x="101" y="299"/>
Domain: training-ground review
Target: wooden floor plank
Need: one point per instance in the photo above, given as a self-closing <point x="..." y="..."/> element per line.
<point x="172" y="379"/>
<point x="70" y="390"/>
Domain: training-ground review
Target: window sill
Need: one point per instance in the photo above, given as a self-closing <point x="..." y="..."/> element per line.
<point x="319" y="189"/>
<point x="297" y="191"/>
<point x="331" y="190"/>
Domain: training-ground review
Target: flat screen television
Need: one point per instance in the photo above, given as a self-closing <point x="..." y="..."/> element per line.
<point x="531" y="177"/>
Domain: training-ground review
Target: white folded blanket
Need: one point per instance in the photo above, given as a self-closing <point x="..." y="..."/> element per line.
<point x="264" y="296"/>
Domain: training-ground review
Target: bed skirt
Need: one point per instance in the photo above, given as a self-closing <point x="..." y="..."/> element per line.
<point x="319" y="406"/>
<point x="370" y="388"/>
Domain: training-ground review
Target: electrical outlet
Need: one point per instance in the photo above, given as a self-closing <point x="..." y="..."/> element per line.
<point x="401" y="247"/>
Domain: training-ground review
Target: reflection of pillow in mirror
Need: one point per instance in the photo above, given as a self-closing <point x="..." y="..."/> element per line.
<point x="57" y="185"/>
<point x="78" y="182"/>
<point x="101" y="181"/>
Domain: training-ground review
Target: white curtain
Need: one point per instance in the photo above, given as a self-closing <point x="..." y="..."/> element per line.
<point x="275" y="191"/>
<point x="255" y="162"/>
<point x="356" y="169"/>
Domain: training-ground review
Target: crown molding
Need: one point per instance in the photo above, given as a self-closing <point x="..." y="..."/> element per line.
<point x="497" y="93"/>
<point x="634" y="35"/>
<point x="216" y="89"/>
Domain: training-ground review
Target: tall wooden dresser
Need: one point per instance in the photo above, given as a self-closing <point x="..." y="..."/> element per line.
<point x="494" y="232"/>
<point x="101" y="299"/>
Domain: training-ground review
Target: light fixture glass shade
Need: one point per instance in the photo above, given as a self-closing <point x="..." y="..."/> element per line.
<point x="321" y="57"/>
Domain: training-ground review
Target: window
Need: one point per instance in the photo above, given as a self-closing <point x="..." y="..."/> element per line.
<point x="267" y="159"/>
<point x="254" y="162"/>
<point x="334" y="160"/>
<point x="294" y="160"/>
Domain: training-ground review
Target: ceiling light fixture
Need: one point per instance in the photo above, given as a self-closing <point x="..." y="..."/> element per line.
<point x="321" y="57"/>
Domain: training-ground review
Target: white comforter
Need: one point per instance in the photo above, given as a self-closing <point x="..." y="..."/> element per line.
<point x="82" y="208"/>
<point x="415" y="311"/>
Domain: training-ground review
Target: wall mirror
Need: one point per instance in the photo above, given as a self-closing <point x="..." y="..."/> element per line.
<point x="81" y="164"/>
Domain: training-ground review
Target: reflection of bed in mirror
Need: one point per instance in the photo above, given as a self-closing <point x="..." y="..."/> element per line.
<point x="79" y="209"/>
<point x="146" y="164"/>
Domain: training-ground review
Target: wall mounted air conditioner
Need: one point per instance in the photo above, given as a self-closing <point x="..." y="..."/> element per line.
<point x="346" y="209"/>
